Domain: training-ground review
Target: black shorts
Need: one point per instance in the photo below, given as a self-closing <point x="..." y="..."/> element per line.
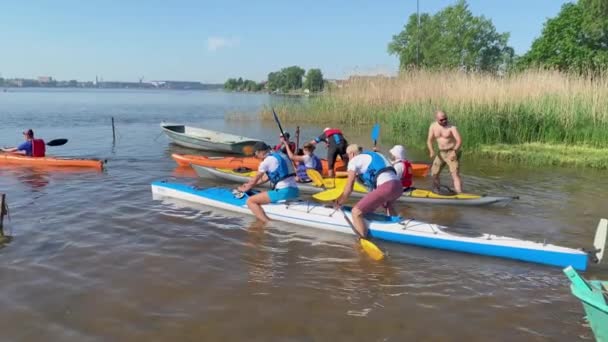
<point x="335" y="150"/>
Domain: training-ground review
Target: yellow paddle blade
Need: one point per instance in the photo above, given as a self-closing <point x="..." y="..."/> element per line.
<point x="315" y="176"/>
<point x="371" y="249"/>
<point x="359" y="188"/>
<point x="328" y="195"/>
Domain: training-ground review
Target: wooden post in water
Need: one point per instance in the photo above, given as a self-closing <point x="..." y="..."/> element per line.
<point x="297" y="138"/>
<point x="113" y="131"/>
<point x="3" y="212"/>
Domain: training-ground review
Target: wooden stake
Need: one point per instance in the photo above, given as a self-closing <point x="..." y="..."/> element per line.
<point x="113" y="131"/>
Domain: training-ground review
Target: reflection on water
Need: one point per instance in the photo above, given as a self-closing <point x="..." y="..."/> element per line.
<point x="94" y="257"/>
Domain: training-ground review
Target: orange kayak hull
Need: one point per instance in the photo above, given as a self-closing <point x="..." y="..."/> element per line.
<point x="233" y="162"/>
<point x="15" y="159"/>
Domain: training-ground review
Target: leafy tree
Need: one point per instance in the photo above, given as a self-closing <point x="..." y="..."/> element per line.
<point x="571" y="41"/>
<point x="293" y="77"/>
<point x="452" y="38"/>
<point x="314" y="80"/>
<point x="231" y="84"/>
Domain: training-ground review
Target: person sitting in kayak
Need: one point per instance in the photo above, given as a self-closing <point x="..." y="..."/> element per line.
<point x="402" y="166"/>
<point x="336" y="146"/>
<point x="306" y="161"/>
<point x="374" y="171"/>
<point x="281" y="147"/>
<point x="276" y="168"/>
<point x="31" y="147"/>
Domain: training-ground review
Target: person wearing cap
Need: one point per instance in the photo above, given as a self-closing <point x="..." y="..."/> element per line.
<point x="283" y="149"/>
<point x="402" y="166"/>
<point x="308" y="160"/>
<point x="336" y="146"/>
<point x="374" y="171"/>
<point x="30" y="147"/>
<point x="276" y="168"/>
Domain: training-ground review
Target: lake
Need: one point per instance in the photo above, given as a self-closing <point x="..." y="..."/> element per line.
<point x="95" y="258"/>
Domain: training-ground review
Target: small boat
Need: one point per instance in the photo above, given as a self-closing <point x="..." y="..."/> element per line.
<point x="19" y="159"/>
<point x="419" y="196"/>
<point x="594" y="297"/>
<point x="388" y="228"/>
<point x="208" y="140"/>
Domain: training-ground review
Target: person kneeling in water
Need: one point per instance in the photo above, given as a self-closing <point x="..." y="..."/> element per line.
<point x="307" y="161"/>
<point x="402" y="166"/>
<point x="276" y="168"/>
<point x="374" y="171"/>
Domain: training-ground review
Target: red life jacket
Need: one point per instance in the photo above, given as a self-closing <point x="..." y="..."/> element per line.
<point x="408" y="173"/>
<point x="332" y="131"/>
<point x="38" y="148"/>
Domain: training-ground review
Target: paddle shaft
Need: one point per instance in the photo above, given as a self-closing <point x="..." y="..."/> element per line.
<point x="350" y="223"/>
<point x="276" y="119"/>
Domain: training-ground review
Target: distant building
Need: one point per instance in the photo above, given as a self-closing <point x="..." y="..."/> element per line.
<point x="45" y="79"/>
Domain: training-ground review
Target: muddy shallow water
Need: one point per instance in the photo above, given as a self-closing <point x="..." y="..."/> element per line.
<point x="94" y="257"/>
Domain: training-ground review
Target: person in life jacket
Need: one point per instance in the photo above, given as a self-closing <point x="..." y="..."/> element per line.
<point x="31" y="147"/>
<point x="402" y="166"/>
<point x="304" y="162"/>
<point x="276" y="168"/>
<point x="281" y="147"/>
<point x="374" y="171"/>
<point x="336" y="146"/>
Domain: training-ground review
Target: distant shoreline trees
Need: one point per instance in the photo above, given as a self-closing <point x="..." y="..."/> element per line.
<point x="286" y="80"/>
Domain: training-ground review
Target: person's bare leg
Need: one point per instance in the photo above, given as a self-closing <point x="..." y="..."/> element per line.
<point x="457" y="182"/>
<point x="255" y="205"/>
<point x="359" y="222"/>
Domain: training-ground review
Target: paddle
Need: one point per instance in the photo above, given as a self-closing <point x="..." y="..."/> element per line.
<point x="276" y="119"/>
<point x="369" y="247"/>
<point x="57" y="142"/>
<point x="375" y="134"/>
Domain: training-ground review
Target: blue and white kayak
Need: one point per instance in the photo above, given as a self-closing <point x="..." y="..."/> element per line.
<point x="388" y="228"/>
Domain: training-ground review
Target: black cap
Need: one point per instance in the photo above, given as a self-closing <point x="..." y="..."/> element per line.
<point x="260" y="146"/>
<point x="286" y="135"/>
<point x="29" y="133"/>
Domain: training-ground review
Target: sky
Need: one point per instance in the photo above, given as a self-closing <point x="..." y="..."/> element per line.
<point x="210" y="41"/>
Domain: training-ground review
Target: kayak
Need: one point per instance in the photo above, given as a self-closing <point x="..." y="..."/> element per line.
<point x="17" y="159"/>
<point x="414" y="196"/>
<point x="594" y="297"/>
<point x="233" y="162"/>
<point x="389" y="228"/>
<point x="420" y="170"/>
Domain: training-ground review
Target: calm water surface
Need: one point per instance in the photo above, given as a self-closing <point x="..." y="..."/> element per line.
<point x="94" y="258"/>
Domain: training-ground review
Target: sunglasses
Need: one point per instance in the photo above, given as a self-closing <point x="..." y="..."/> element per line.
<point x="443" y="120"/>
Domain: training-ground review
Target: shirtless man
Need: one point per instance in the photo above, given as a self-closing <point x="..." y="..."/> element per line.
<point x="449" y="142"/>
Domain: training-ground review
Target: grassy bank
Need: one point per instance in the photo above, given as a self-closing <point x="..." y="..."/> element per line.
<point x="538" y="107"/>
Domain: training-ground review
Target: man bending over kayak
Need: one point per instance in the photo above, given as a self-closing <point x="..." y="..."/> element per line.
<point x="276" y="168"/>
<point x="336" y="146"/>
<point x="31" y="147"/>
<point x="374" y="171"/>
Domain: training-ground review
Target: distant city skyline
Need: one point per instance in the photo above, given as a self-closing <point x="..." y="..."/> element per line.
<point x="215" y="40"/>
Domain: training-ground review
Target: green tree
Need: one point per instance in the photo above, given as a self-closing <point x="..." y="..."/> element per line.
<point x="314" y="80"/>
<point x="452" y="38"/>
<point x="293" y="77"/>
<point x="230" y="84"/>
<point x="276" y="81"/>
<point x="571" y="42"/>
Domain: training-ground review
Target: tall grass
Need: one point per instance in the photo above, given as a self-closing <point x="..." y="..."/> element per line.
<point x="530" y="107"/>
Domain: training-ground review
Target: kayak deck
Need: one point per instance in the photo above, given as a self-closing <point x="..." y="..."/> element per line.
<point x="420" y="196"/>
<point x="393" y="229"/>
<point x="15" y="159"/>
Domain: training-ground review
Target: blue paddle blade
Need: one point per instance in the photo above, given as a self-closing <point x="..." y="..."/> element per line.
<point x="376" y="132"/>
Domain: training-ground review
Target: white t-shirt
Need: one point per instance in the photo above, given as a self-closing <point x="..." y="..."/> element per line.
<point x="270" y="164"/>
<point x="360" y="163"/>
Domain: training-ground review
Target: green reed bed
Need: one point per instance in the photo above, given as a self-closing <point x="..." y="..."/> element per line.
<point x="532" y="109"/>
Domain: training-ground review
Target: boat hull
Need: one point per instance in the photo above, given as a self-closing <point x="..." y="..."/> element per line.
<point x="393" y="229"/>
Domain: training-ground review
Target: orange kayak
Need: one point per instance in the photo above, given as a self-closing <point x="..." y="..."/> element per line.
<point x="420" y="170"/>
<point x="233" y="162"/>
<point x="16" y="159"/>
